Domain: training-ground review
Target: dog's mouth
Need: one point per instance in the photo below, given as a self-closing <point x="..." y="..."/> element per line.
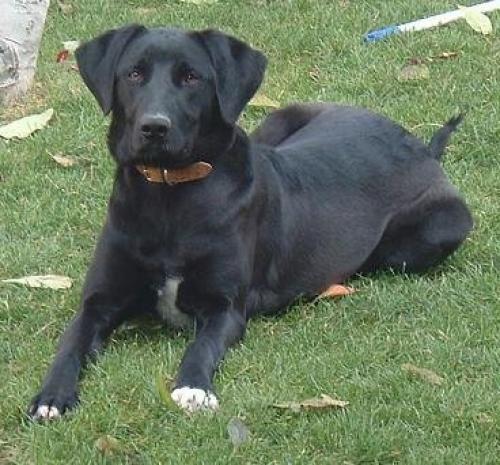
<point x="164" y="155"/>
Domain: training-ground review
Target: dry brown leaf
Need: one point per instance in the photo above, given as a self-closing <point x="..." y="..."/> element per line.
<point x="62" y="56"/>
<point x="432" y="58"/>
<point x="107" y="445"/>
<point x="316" y="403"/>
<point x="26" y="126"/>
<point x="64" y="161"/>
<point x="423" y="373"/>
<point x="46" y="281"/>
<point x="238" y="432"/>
<point x="477" y="20"/>
<point x="414" y="72"/>
<point x="337" y="290"/>
<point x="262" y="100"/>
<point x="66" y="8"/>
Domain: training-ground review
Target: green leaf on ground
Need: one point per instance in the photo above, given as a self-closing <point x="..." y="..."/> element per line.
<point x="162" y="386"/>
<point x="71" y="45"/>
<point x="476" y="20"/>
<point x="262" y="100"/>
<point x="47" y="281"/>
<point x="26" y="126"/>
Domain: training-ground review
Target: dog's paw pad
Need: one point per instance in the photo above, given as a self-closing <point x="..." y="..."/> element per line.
<point x="45" y="412"/>
<point x="194" y="399"/>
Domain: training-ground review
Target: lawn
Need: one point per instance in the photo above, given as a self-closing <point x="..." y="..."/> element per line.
<point x="353" y="349"/>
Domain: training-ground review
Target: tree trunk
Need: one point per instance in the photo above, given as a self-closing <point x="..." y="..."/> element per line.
<point x="21" y="27"/>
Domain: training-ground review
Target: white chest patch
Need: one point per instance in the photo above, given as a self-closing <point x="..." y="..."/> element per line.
<point x="166" y="307"/>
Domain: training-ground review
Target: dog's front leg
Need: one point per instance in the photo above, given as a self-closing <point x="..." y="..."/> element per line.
<point x="84" y="336"/>
<point x="194" y="382"/>
<point x="111" y="290"/>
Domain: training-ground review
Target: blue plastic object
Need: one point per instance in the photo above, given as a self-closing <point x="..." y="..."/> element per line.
<point x="381" y="34"/>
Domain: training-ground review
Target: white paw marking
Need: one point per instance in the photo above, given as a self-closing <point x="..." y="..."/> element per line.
<point x="166" y="307"/>
<point x="44" y="412"/>
<point x="193" y="399"/>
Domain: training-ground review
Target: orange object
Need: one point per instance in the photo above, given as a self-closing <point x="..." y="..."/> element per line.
<point x="337" y="290"/>
<point x="62" y="56"/>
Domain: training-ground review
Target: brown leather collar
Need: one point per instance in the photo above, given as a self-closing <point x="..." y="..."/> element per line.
<point x="197" y="170"/>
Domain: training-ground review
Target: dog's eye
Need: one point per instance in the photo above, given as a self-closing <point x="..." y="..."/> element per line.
<point x="135" y="75"/>
<point x="190" y="78"/>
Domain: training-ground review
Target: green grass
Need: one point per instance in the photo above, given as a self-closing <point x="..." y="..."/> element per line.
<point x="447" y="321"/>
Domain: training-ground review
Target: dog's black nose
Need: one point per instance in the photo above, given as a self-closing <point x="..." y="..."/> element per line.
<point x="155" y="127"/>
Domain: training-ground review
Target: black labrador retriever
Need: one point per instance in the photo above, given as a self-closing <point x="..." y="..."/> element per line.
<point x="210" y="227"/>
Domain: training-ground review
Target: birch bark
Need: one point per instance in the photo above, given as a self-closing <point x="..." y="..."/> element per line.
<point x="21" y="28"/>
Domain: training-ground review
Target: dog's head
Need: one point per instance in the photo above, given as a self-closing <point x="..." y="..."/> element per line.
<point x="172" y="93"/>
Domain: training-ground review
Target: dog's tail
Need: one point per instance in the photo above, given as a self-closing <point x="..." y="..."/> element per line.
<point x="439" y="140"/>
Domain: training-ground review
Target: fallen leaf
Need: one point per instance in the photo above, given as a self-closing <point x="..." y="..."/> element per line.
<point x="107" y="445"/>
<point x="261" y="100"/>
<point x="64" y="161"/>
<point x="432" y="58"/>
<point x="47" y="281"/>
<point x="477" y="20"/>
<point x="337" y="290"/>
<point x="445" y="55"/>
<point x="414" y="72"/>
<point x="317" y="403"/>
<point x="26" y="126"/>
<point x="65" y="8"/>
<point x="71" y="45"/>
<point x="238" y="432"/>
<point x="163" y="390"/>
<point x="62" y="56"/>
<point x="423" y="373"/>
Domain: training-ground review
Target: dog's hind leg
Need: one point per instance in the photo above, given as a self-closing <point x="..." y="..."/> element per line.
<point x="423" y="237"/>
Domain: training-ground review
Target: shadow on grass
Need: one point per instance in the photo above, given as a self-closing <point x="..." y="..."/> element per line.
<point x="147" y="329"/>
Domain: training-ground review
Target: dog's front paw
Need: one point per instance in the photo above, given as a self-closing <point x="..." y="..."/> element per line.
<point x="51" y="405"/>
<point x="194" y="399"/>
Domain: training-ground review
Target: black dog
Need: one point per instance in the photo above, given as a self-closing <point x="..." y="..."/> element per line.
<point x="211" y="227"/>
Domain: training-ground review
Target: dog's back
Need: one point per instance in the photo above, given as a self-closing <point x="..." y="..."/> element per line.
<point x="351" y="173"/>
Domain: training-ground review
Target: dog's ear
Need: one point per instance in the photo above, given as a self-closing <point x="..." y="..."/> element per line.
<point x="97" y="61"/>
<point x="239" y="70"/>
